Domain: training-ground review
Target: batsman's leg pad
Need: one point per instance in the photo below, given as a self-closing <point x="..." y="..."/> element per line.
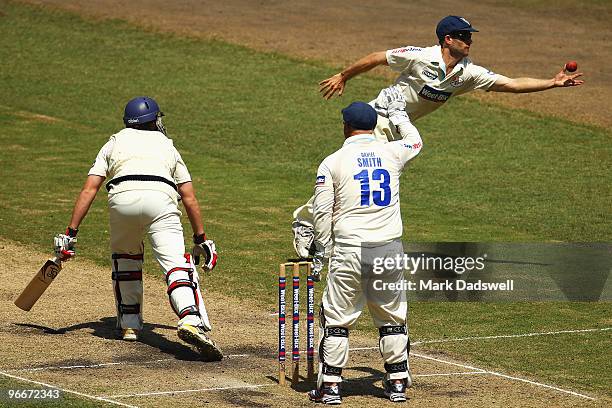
<point x="184" y="293"/>
<point x="394" y="347"/>
<point x="128" y="290"/>
<point x="333" y="354"/>
<point x="201" y="308"/>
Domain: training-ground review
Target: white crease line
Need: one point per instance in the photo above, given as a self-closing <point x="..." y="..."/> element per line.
<point x="505" y="376"/>
<point x="503" y="336"/>
<point x="448" y="374"/>
<point x="420" y="375"/>
<point x="541" y="385"/>
<point x="358" y="349"/>
<point x="509" y="336"/>
<point x="148" y="394"/>
<point x="68" y="391"/>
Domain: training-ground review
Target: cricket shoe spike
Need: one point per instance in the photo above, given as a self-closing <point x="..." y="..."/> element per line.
<point x="196" y="336"/>
<point x="395" y="391"/>
<point x="129" y="334"/>
<point x="329" y="395"/>
<point x="303" y="239"/>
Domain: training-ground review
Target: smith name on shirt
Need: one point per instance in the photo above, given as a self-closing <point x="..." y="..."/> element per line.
<point x="369" y="159"/>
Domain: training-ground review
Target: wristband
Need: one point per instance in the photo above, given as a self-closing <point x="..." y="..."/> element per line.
<point x="199" y="239"/>
<point x="72" y="232"/>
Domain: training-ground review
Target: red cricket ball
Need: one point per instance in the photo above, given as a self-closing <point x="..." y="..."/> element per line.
<point x="571" y="66"/>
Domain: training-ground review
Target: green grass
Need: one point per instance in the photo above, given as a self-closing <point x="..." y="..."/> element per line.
<point x="253" y="129"/>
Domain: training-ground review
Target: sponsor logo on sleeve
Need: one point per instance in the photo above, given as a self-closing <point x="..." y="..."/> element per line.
<point x="405" y="49"/>
<point x="429" y="74"/>
<point x="320" y="181"/>
<point x="434" y="95"/>
<point x="412" y="146"/>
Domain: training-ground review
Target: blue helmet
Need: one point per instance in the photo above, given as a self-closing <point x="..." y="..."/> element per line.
<point x="141" y="110"/>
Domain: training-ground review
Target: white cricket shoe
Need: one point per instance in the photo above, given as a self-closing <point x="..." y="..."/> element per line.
<point x="129" y="334"/>
<point x="196" y="336"/>
<point x="303" y="237"/>
<point x="395" y="391"/>
<point x="327" y="394"/>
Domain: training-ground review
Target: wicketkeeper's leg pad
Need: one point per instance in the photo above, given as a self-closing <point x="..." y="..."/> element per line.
<point x="333" y="354"/>
<point x="394" y="347"/>
<point x="128" y="289"/>
<point x="185" y="296"/>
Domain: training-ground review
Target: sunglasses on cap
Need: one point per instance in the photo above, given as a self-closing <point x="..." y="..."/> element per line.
<point x="464" y="36"/>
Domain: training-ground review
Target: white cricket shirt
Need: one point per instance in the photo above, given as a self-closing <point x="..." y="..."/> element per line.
<point x="140" y="152"/>
<point x="424" y="82"/>
<point x="356" y="197"/>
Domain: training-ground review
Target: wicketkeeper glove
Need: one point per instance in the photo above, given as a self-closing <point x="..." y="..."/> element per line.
<point x="396" y="105"/>
<point x="64" y="244"/>
<point x="318" y="262"/>
<point x="206" y="248"/>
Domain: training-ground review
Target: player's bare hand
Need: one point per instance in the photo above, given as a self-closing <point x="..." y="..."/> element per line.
<point x="563" y="79"/>
<point x="332" y="85"/>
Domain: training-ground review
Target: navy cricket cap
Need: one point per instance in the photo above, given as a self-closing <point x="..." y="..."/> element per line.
<point x="451" y="24"/>
<point x="360" y="116"/>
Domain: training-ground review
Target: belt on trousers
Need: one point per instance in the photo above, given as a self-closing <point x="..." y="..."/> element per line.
<point x="139" y="177"/>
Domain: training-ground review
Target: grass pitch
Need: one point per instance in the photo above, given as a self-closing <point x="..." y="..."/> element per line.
<point x="253" y="130"/>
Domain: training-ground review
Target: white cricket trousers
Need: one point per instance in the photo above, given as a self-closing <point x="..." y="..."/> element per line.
<point x="351" y="284"/>
<point x="134" y="214"/>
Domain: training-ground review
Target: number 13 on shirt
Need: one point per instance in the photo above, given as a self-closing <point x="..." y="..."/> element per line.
<point x="382" y="196"/>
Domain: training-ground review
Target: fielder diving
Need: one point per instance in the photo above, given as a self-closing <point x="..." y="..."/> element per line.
<point x="428" y="77"/>
<point x="147" y="177"/>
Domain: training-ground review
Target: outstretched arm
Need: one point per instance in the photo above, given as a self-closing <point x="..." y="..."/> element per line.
<point x="86" y="197"/>
<point x="192" y="207"/>
<point x="337" y="82"/>
<point x="525" y="85"/>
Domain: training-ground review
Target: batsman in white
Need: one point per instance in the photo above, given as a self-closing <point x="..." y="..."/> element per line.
<point x="357" y="215"/>
<point x="147" y="177"/>
<point x="428" y="77"/>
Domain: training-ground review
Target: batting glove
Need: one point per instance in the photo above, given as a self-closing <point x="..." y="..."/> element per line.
<point x="64" y="244"/>
<point x="205" y="248"/>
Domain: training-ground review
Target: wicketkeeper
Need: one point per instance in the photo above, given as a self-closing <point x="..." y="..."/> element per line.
<point x="357" y="215"/>
<point x="147" y="177"/>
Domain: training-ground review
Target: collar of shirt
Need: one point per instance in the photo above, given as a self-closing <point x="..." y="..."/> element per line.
<point x="436" y="60"/>
<point x="366" y="137"/>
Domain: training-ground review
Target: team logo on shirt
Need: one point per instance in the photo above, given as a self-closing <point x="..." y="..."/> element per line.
<point x="434" y="95"/>
<point x="429" y="74"/>
<point x="320" y="181"/>
<point x="457" y="82"/>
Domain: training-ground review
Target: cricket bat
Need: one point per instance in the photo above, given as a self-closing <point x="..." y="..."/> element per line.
<point x="39" y="283"/>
